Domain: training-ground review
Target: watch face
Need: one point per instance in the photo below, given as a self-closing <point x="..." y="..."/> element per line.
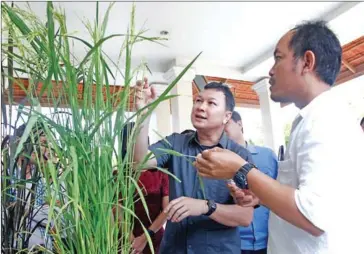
<point x="214" y="206"/>
<point x="240" y="180"/>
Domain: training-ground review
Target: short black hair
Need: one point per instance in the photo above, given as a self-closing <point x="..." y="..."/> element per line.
<point x="236" y="116"/>
<point x="229" y="98"/>
<point x="362" y="121"/>
<point x="318" y="38"/>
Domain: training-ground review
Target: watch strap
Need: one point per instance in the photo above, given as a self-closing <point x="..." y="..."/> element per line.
<point x="212" y="207"/>
<point x="240" y="177"/>
<point x="151" y="233"/>
<point x="247" y="167"/>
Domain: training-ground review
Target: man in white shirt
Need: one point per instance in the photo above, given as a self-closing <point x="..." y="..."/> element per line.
<point x="316" y="202"/>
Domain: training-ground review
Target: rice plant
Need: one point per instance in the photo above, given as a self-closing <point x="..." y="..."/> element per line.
<point x="89" y="188"/>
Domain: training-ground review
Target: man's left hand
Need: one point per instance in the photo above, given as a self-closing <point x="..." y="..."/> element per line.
<point x="244" y="198"/>
<point x="182" y="207"/>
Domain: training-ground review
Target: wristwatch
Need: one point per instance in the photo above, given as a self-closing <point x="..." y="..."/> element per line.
<point x="151" y="233"/>
<point x="240" y="178"/>
<point x="212" y="207"/>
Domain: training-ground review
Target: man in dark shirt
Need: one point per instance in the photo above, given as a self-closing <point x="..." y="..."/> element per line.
<point x="196" y="224"/>
<point x="254" y="239"/>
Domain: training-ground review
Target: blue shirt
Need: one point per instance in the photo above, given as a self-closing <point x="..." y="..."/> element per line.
<point x="255" y="237"/>
<point x="198" y="234"/>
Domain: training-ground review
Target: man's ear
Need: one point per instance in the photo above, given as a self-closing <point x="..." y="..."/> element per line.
<point x="309" y="61"/>
<point x="227" y="117"/>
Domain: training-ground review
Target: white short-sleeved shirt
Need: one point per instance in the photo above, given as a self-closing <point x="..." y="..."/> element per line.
<point x="324" y="162"/>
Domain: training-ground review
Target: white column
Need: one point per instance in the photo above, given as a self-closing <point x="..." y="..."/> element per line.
<point x="271" y="117"/>
<point x="181" y="105"/>
<point x="163" y="116"/>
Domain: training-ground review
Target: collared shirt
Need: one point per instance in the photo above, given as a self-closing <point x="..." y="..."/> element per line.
<point x="324" y="164"/>
<point x="198" y="234"/>
<point x="255" y="236"/>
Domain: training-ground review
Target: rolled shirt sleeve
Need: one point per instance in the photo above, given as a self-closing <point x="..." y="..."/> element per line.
<point x="318" y="176"/>
<point x="162" y="156"/>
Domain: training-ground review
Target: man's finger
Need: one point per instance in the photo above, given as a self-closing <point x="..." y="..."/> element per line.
<point x="217" y="149"/>
<point x="248" y="192"/>
<point x="178" y="214"/>
<point x="201" y="161"/>
<point x="200" y="165"/>
<point x="209" y="152"/>
<point x="247" y="199"/>
<point x="206" y="153"/>
<point x="240" y="195"/>
<point x="153" y="91"/>
<point x="172" y="203"/>
<point x="231" y="187"/>
<point x="183" y="216"/>
<point x="146" y="84"/>
<point x="174" y="209"/>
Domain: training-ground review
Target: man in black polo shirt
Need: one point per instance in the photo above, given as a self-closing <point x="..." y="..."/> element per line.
<point x="197" y="225"/>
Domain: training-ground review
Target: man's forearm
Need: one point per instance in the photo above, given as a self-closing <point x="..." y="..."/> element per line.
<point x="280" y="199"/>
<point x="141" y="142"/>
<point x="233" y="215"/>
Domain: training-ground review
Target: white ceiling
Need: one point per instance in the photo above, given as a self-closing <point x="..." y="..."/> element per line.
<point x="348" y="26"/>
<point x="231" y="35"/>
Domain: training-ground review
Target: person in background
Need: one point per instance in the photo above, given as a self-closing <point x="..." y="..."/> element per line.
<point x="362" y="123"/>
<point x="317" y="201"/>
<point x="28" y="176"/>
<point x="254" y="238"/>
<point x="154" y="184"/>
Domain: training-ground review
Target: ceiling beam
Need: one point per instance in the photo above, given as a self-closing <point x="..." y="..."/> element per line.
<point x="349" y="66"/>
<point x="329" y="16"/>
<point x="348" y="75"/>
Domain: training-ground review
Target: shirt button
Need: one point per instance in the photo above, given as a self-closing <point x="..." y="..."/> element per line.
<point x="189" y="246"/>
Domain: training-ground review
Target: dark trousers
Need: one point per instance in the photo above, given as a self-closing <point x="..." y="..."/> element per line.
<point x="262" y="251"/>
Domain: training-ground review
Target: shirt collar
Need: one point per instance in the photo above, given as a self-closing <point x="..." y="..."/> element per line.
<point x="252" y="149"/>
<point x="316" y="101"/>
<point x="223" y="142"/>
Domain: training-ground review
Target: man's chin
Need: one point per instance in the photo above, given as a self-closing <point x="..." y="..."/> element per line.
<point x="279" y="99"/>
<point x="274" y="98"/>
<point x="198" y="126"/>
